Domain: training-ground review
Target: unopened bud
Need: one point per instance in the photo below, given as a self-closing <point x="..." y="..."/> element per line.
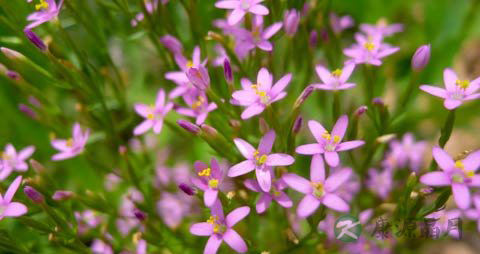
<point x="361" y="110"/>
<point x="62" y="195"/>
<point x="227" y="71"/>
<point x="421" y="57"/>
<point x="33" y="194"/>
<point x="34" y="39"/>
<point x="313" y="39"/>
<point x="263" y="125"/>
<point x="122" y="150"/>
<point x="172" y="44"/>
<point x="199" y="77"/>
<point x="378" y="101"/>
<point x="141" y="216"/>
<point x="11" y="54"/>
<point x="301" y="99"/>
<point x="188" y="126"/>
<point x="297" y="125"/>
<point x="187" y="189"/>
<point x="37" y="166"/>
<point x="214" y="36"/>
<point x="209" y="130"/>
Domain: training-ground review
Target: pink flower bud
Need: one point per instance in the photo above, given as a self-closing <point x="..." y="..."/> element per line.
<point x="421" y="57"/>
<point x="33" y="194"/>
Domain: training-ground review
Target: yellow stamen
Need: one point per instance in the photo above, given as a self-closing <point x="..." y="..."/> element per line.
<point x="262" y="159"/>
<point x="369" y="46"/>
<point x="213" y="183"/>
<point x="326" y="135"/>
<point x="70" y="142"/>
<point x="255" y="154"/>
<point x="318" y="189"/>
<point x="470" y="174"/>
<point x="198" y="103"/>
<point x="336" y="139"/>
<point x="150" y="116"/>
<point x="205" y="172"/>
<point x="212" y="219"/>
<point x="216" y="228"/>
<point x="459" y="164"/>
<point x="41" y="5"/>
<point x="189" y="64"/>
<point x="337" y="73"/>
<point x="463" y="83"/>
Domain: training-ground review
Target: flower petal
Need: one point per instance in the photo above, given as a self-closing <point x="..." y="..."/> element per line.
<point x="12" y="189"/>
<point x="307" y="206"/>
<point x="324" y="74"/>
<point x="245" y="148"/>
<point x="228" y="4"/>
<point x="336" y="179"/>
<point x="346" y="72"/>
<point x="15" y="209"/>
<point x="437" y="178"/>
<point x="317" y="169"/>
<point x="334" y="202"/>
<point x="332" y="159"/>
<point x="143" y="127"/>
<point x="279" y="159"/>
<point x="450" y="78"/>
<point x="271" y="30"/>
<point x="452" y="104"/>
<point x="349" y="145"/>
<point x="236" y="215"/>
<point x="266" y="143"/>
<point x="235" y="16"/>
<point x="241" y="168"/>
<point x="25" y="153"/>
<point x="213" y="244"/>
<point x="309" y="149"/>
<point x="264" y="79"/>
<point x="202" y="229"/>
<point x="317" y="130"/>
<point x="252" y="110"/>
<point x="210" y="196"/>
<point x="263" y="203"/>
<point x="472" y="161"/>
<point x="283" y="199"/>
<point x="461" y="194"/>
<point x="340" y="126"/>
<point x="435" y="91"/>
<point x="281" y="84"/>
<point x="160" y="101"/>
<point x="259" y="9"/>
<point x="252" y="185"/>
<point x="443" y="159"/>
<point x="297" y="183"/>
<point x="264" y="178"/>
<point x="234" y="240"/>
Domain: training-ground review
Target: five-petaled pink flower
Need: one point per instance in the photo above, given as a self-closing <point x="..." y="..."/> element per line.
<point x="369" y="50"/>
<point x="459" y="174"/>
<point x="318" y="190"/>
<point x="153" y="114"/>
<point x="10" y="160"/>
<point x="9" y="208"/>
<point x="256" y="97"/>
<point x="329" y="144"/>
<point x="73" y="146"/>
<point x="240" y="8"/>
<point x="456" y="91"/>
<point x="260" y="160"/>
<point x="209" y="180"/>
<point x="46" y="11"/>
<point x="247" y="40"/>
<point x="382" y="28"/>
<point x="336" y="80"/>
<point x="219" y="228"/>
<point x="276" y="193"/>
<point x="199" y="106"/>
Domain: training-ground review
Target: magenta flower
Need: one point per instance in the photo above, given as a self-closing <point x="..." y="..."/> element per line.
<point x="291" y="19"/>
<point x="406" y="153"/>
<point x="73" y="146"/>
<point x="456" y="91"/>
<point x="100" y="247"/>
<point x="240" y="8"/>
<point x="199" y="106"/>
<point x="258" y="37"/>
<point x="369" y="50"/>
<point x="9" y="208"/>
<point x="318" y="190"/>
<point x="256" y="97"/>
<point x="382" y="28"/>
<point x="260" y="160"/>
<point x="380" y="183"/>
<point x="153" y="114"/>
<point x="442" y="217"/>
<point x="10" y="160"/>
<point x="209" y="180"/>
<point x="329" y="144"/>
<point x="340" y="23"/>
<point x="276" y="193"/>
<point x="459" y="174"/>
<point x="219" y="228"/>
<point x="474" y="213"/>
<point x="46" y="11"/>
<point x="173" y="207"/>
<point x="335" y="80"/>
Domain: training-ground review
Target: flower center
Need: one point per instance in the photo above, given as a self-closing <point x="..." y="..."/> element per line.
<point x="189" y="64"/>
<point x="337" y="73"/>
<point x="331" y="144"/>
<point x="69" y="142"/>
<point x="369" y="45"/>
<point x="205" y="172"/>
<point x="218" y="228"/>
<point x="459" y="177"/>
<point x="213" y="183"/>
<point x="198" y="103"/>
<point x="463" y="84"/>
<point x="41" y="5"/>
<point x="318" y="190"/>
<point x="245" y="4"/>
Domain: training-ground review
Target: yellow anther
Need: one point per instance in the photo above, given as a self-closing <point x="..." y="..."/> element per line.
<point x="254" y="87"/>
<point x="255" y="154"/>
<point x="326" y="135"/>
<point x="198" y="103"/>
<point x="262" y="94"/>
<point x="230" y="194"/>
<point x="70" y="142"/>
<point x="459" y="164"/>
<point x="337" y="73"/>
<point x="216" y="228"/>
<point x="262" y="159"/>
<point x="462" y="83"/>
<point x="369" y="46"/>
<point x="470" y="174"/>
<point x="150" y="116"/>
<point x="213" y="183"/>
<point x="212" y="219"/>
<point x="189" y="64"/>
<point x="318" y="189"/>
<point x="205" y="172"/>
<point x="336" y="139"/>
<point x="41" y="5"/>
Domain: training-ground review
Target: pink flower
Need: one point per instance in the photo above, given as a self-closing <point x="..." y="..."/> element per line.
<point x="459" y="174"/>
<point x="474" y="213"/>
<point x="335" y="80"/>
<point x="406" y="153"/>
<point x="382" y="28"/>
<point x="456" y="91"/>
<point x="9" y="208"/>
<point x="369" y="50"/>
<point x="266" y="198"/>
<point x="380" y="182"/>
<point x="260" y="160"/>
<point x="444" y="217"/>
<point x="329" y="144"/>
<point x="209" y="180"/>
<point x="258" y="37"/>
<point x="291" y="19"/>
<point x="10" y="160"/>
<point x="87" y="220"/>
<point x="256" y="97"/>
<point x="47" y="10"/>
<point x="240" y="8"/>
<point x="199" y="106"/>
<point x="153" y="114"/>
<point x="150" y="6"/>
<point x="73" y="146"/>
<point x="219" y="228"/>
<point x="340" y="23"/>
<point x="173" y="207"/>
<point x="100" y="247"/>
<point x="318" y="190"/>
